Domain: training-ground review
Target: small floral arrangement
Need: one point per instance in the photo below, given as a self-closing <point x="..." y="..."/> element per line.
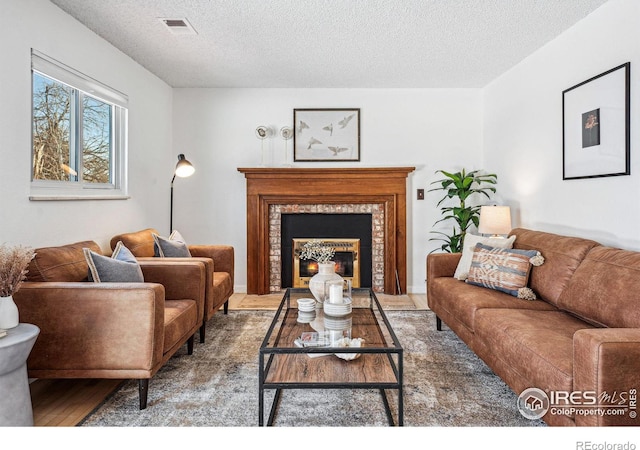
<point x="14" y="262"/>
<point x="317" y="250"/>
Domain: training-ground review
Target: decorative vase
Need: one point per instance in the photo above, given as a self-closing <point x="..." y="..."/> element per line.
<point x="8" y="313"/>
<point x="326" y="272"/>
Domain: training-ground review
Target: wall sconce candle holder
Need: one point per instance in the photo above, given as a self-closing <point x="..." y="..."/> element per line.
<point x="263" y="133"/>
<point x="286" y="133"/>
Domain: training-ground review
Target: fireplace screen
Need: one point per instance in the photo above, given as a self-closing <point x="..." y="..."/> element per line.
<point x="345" y="257"/>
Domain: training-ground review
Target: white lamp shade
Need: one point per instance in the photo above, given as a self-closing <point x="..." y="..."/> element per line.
<point x="184" y="167"/>
<point x="495" y="220"/>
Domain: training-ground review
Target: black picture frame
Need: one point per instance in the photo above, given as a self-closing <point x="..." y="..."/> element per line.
<point x="328" y="134"/>
<point x="596" y="132"/>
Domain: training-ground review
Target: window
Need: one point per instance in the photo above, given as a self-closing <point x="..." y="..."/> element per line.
<point x="79" y="132"/>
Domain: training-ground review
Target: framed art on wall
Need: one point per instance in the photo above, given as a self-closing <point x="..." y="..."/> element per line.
<point x="596" y="126"/>
<point x="326" y="134"/>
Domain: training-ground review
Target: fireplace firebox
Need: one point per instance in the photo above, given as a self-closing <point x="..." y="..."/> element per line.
<point x="346" y="259"/>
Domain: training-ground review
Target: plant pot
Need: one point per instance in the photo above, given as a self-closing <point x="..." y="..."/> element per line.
<point x="8" y="313"/>
<point x="326" y="272"/>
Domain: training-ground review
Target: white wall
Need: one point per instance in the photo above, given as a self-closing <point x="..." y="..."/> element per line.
<point x="428" y="129"/>
<point x="513" y="127"/>
<point x="523" y="132"/>
<point x="40" y="25"/>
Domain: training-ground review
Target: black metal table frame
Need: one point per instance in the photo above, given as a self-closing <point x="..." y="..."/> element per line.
<point x="270" y="352"/>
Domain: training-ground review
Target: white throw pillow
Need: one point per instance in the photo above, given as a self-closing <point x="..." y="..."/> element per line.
<point x="470" y="241"/>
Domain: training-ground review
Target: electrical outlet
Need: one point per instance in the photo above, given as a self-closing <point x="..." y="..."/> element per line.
<point x="420" y="194"/>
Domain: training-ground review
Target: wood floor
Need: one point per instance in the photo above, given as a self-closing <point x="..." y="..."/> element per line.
<point x="65" y="403"/>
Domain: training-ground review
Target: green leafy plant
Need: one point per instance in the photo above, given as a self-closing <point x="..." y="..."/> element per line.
<point x="460" y="186"/>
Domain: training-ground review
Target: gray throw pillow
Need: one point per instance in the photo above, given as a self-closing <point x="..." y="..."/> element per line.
<point x="172" y="247"/>
<point x="121" y="267"/>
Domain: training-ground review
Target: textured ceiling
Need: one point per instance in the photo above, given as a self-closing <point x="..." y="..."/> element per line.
<point x="330" y="43"/>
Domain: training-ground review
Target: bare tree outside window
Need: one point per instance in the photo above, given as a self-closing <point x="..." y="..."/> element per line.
<point x="56" y="156"/>
<point x="51" y="130"/>
<point x="96" y="145"/>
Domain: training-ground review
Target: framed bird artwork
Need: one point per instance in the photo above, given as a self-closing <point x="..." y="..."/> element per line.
<point x="326" y="134"/>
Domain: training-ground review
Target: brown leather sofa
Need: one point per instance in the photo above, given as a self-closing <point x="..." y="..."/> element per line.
<point x="581" y="336"/>
<point x="108" y="330"/>
<point x="218" y="259"/>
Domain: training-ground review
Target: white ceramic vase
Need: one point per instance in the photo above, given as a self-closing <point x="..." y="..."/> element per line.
<point x="326" y="272"/>
<point x="8" y="313"/>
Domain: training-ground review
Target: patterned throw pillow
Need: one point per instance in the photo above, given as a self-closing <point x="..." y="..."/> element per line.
<point x="121" y="267"/>
<point x="505" y="270"/>
<point x="470" y="241"/>
<point x="172" y="247"/>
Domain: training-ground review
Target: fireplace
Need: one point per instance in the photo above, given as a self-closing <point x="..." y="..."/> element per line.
<point x="346" y="258"/>
<point x="379" y="191"/>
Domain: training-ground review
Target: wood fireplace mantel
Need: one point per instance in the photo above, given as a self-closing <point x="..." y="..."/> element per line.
<point x="292" y="185"/>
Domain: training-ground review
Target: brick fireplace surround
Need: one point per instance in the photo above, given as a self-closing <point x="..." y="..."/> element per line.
<point x="380" y="191"/>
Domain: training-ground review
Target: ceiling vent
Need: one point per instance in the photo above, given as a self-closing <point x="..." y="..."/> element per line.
<point x="179" y="26"/>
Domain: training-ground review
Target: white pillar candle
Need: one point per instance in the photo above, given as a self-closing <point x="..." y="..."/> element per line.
<point x="335" y="293"/>
<point x="334" y="337"/>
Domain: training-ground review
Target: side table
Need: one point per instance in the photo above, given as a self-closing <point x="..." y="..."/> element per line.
<point x="15" y="407"/>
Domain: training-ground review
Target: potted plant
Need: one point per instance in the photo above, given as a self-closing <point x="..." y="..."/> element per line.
<point x="459" y="186"/>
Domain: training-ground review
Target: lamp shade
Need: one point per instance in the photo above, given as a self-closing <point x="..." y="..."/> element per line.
<point x="184" y="168"/>
<point x="495" y="220"/>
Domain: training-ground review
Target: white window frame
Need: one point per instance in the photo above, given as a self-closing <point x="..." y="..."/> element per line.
<point x="74" y="190"/>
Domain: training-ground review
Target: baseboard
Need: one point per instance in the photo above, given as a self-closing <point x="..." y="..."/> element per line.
<point x="416" y="289"/>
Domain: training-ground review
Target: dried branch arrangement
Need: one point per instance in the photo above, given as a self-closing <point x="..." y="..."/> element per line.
<point x="317" y="250"/>
<point x="14" y="261"/>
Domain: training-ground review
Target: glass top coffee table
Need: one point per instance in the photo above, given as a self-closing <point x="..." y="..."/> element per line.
<point x="306" y="350"/>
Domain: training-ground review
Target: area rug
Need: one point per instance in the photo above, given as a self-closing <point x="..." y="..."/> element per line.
<point x="445" y="384"/>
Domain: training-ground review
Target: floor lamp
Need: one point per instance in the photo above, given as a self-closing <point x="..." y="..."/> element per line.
<point x="183" y="169"/>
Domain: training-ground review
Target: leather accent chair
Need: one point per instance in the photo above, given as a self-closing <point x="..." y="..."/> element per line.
<point x="107" y="330"/>
<point x="218" y="259"/>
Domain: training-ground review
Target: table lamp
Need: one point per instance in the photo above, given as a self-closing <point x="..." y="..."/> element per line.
<point x="495" y="220"/>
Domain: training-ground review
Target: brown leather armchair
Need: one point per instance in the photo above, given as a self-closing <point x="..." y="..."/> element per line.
<point x="218" y="259"/>
<point x="107" y="330"/>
